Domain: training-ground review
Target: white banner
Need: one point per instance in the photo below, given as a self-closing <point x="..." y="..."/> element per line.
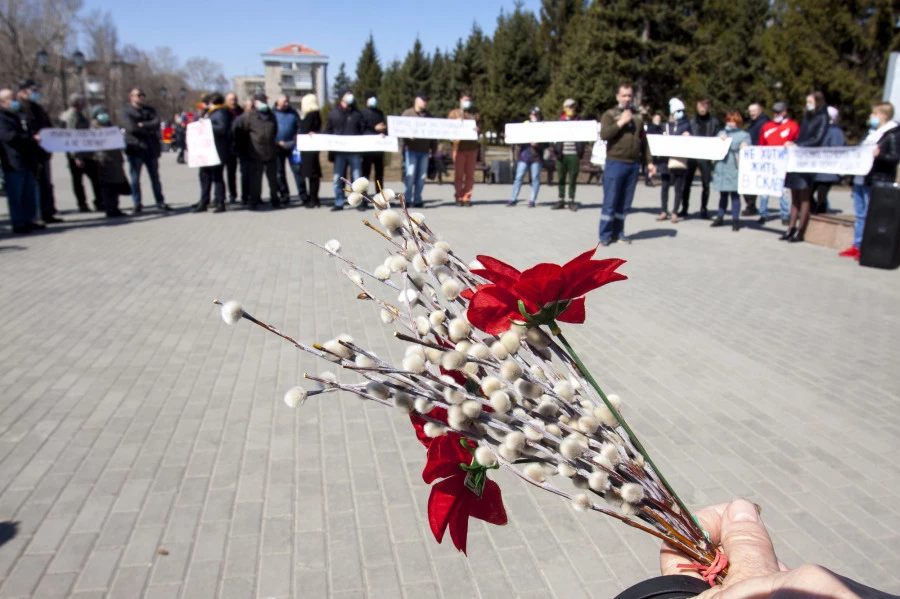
<point x="81" y="140"/>
<point x="414" y="127"/>
<point x="201" y="145"/>
<point x="853" y="160"/>
<point x="689" y="146"/>
<point x="550" y="131"/>
<point x="320" y="142"/>
<point x="761" y="170"/>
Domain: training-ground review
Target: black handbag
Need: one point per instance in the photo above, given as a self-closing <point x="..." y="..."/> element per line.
<point x="432" y="168"/>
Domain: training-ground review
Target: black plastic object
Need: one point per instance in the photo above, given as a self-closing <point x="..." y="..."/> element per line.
<point x="675" y="586"/>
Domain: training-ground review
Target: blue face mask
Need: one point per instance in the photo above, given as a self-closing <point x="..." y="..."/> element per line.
<point x="372" y="102"/>
<point x="730" y="128"/>
<point x="15" y="106"/>
<point x="679" y="114"/>
<point x="103" y="119"/>
<point x="35" y="96"/>
<point x="262" y="106"/>
<point x="874" y="123"/>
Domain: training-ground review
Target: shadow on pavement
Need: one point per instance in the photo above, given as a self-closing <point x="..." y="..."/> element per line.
<point x="653" y="234"/>
<point x="8" y="530"/>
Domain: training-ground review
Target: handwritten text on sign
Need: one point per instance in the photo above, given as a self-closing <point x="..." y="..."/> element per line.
<point x="687" y="146"/>
<point x="321" y="142"/>
<point x="81" y="140"/>
<point x="761" y="170"/>
<point x="201" y="144"/>
<point x="853" y="160"/>
<point x="414" y="127"/>
<point x="550" y="131"/>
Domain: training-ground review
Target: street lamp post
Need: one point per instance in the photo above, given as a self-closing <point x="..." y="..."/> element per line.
<point x="43" y="60"/>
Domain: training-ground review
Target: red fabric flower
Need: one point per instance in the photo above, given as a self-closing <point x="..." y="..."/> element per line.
<point x="452" y="501"/>
<point x="548" y="291"/>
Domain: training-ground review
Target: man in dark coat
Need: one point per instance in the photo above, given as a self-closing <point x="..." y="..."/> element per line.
<point x="254" y="139"/>
<point x="212" y="177"/>
<point x="758" y="118"/>
<point x="374" y="125"/>
<point x="19" y="159"/>
<point x="345" y="119"/>
<point x="80" y="163"/>
<point x="234" y="108"/>
<point x="142" y="147"/>
<point x="36" y="118"/>
<point x="703" y="124"/>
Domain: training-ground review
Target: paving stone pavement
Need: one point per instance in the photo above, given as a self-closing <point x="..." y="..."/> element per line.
<point x="145" y="449"/>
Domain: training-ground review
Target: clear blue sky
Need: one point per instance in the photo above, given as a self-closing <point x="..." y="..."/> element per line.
<point x="236" y="33"/>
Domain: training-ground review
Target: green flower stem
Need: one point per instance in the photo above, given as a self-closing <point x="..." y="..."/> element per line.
<point x="554" y="328"/>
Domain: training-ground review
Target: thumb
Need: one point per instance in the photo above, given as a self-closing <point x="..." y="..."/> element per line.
<point x="746" y="543"/>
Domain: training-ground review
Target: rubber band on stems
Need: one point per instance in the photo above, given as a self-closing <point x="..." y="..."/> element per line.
<point x="708" y="573"/>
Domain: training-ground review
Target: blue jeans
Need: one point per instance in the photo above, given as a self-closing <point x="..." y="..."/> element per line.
<point x="735" y="205"/>
<point x="22" y="197"/>
<point x="861" y="195"/>
<point x="521" y="168"/>
<point x="763" y="206"/>
<point x="135" y="162"/>
<point x="341" y="160"/>
<point x="785" y="204"/>
<point x="619" y="181"/>
<point x="416" y="169"/>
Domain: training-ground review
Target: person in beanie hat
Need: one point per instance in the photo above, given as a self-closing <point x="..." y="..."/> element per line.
<point x="345" y="119"/>
<point x="110" y="168"/>
<point x="375" y="124"/>
<point x="568" y="157"/>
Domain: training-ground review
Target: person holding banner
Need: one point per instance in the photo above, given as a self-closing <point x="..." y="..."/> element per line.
<point x="568" y="160"/>
<point x="19" y="159"/>
<point x="674" y="171"/>
<point x="703" y="124"/>
<point x="813" y="130"/>
<point x="465" y="151"/>
<point x="110" y="168"/>
<point x="79" y="162"/>
<point x="777" y="132"/>
<point x="374" y="125"/>
<point x="36" y="118"/>
<point x="530" y="159"/>
<point x="416" y="153"/>
<point x="345" y="119"/>
<point x="824" y="181"/>
<point x="213" y="177"/>
<point x="310" y="168"/>
<point x="884" y="137"/>
<point x="234" y="108"/>
<point x="725" y="179"/>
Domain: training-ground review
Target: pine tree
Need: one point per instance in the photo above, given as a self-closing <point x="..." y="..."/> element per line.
<point x="368" y="70"/>
<point x="443" y="97"/>
<point x="556" y="16"/>
<point x="415" y="73"/>
<point x="470" y="61"/>
<point x="342" y="82"/>
<point x="838" y="47"/>
<point x="517" y="76"/>
<point x="392" y="98"/>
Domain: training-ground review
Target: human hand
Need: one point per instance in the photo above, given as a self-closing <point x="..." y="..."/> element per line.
<point x="723" y="136"/>
<point x="651" y="170"/>
<point x="281" y="143"/>
<point x="876" y="151"/>
<point x="380" y="127"/>
<point x="625" y="117"/>
<point x="754" y="570"/>
<point x="37" y="138"/>
<point x="141" y="125"/>
<point x="744" y="145"/>
<point x="79" y="163"/>
<point x="788" y="144"/>
<point x="688" y="133"/>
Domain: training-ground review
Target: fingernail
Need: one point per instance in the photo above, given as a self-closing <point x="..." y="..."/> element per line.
<point x="744" y="511"/>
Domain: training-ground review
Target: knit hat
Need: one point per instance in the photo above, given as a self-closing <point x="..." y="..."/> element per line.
<point x="569" y="103"/>
<point x="675" y="105"/>
<point x="779" y="107"/>
<point x="833" y="113"/>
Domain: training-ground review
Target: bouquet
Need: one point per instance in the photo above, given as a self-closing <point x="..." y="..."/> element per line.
<point x="490" y="381"/>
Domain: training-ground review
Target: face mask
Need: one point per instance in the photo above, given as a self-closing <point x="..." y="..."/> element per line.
<point x="35" y="96"/>
<point x="262" y="106"/>
<point x="348" y="99"/>
<point x="466" y="104"/>
<point x="679" y="114"/>
<point x="874" y="122"/>
<point x="372" y="102"/>
<point x="778" y="118"/>
<point x="103" y="119"/>
<point x="730" y="127"/>
<point x="810" y="107"/>
<point x="14" y="106"/>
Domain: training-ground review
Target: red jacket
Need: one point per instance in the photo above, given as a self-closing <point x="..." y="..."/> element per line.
<point x="778" y="134"/>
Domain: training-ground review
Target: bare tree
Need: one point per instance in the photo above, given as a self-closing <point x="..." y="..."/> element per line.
<point x="204" y="74"/>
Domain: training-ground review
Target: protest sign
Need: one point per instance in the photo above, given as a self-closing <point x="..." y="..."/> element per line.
<point x="414" y="127"/>
<point x="201" y="145"/>
<point x="81" y="140"/>
<point x="853" y="160"/>
<point x="321" y="142"/>
<point x="689" y="146"/>
<point x="550" y="131"/>
<point x="761" y="170"/>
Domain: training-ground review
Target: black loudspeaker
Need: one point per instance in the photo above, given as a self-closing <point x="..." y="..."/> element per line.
<point x="502" y="171"/>
<point x="881" y="237"/>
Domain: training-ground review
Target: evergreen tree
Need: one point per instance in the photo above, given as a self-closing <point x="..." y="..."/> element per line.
<point x="341" y="82"/>
<point x="392" y="99"/>
<point x="368" y="70"/>
<point x="517" y="77"/>
<point x="443" y="98"/>
<point x="640" y="41"/>
<point x="838" y="47"/>
<point x="415" y="73"/>
<point x="727" y="64"/>
<point x="556" y="16"/>
<point x="470" y="61"/>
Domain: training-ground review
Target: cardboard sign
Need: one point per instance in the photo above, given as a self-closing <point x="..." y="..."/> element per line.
<point x="550" y="132"/>
<point x="853" y="160"/>
<point x="321" y="142"/>
<point x="689" y="146"/>
<point x="761" y="170"/>
<point x="414" y="127"/>
<point x="81" y="140"/>
<point x="201" y="145"/>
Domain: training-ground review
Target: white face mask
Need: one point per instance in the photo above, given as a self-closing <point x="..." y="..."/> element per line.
<point x="348" y="99"/>
<point x="372" y="102"/>
<point x="466" y="104"/>
<point x="778" y="118"/>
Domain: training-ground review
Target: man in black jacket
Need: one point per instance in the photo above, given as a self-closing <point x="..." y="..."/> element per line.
<point x="254" y="141"/>
<point x="345" y="119"/>
<point x="374" y="125"/>
<point x="19" y="159"/>
<point x="235" y="110"/>
<point x="36" y="119"/>
<point x="758" y="118"/>
<point x="705" y="125"/>
<point x="142" y="147"/>
<point x="212" y="177"/>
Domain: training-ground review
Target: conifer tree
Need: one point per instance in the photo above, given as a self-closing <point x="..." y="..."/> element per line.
<point x="368" y="70"/>
<point x="392" y="100"/>
<point x="342" y="82"/>
<point x="443" y="96"/>
<point x="415" y="73"/>
<point x="556" y="17"/>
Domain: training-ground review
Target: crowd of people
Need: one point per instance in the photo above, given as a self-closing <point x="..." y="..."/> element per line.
<point x="259" y="140"/>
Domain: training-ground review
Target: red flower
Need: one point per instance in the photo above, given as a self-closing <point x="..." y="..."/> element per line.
<point x="462" y="494"/>
<point x="548" y="291"/>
